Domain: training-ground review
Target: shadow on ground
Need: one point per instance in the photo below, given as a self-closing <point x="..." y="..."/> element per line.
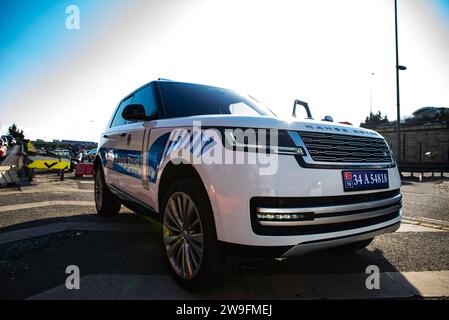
<point x="34" y="265"/>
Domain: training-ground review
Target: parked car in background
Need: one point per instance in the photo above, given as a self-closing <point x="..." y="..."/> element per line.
<point x="91" y="154"/>
<point x="62" y="153"/>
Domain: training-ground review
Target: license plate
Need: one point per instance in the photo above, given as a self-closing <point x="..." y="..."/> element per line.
<point x="365" y="180"/>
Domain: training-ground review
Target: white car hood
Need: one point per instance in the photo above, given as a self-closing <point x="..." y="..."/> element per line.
<point x="266" y="123"/>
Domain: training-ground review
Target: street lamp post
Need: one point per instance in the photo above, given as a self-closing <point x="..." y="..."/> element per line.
<point x="398" y="68"/>
<point x="371" y="95"/>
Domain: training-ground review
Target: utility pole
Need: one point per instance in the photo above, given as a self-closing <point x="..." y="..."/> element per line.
<point x="371" y="95"/>
<point x="398" y="68"/>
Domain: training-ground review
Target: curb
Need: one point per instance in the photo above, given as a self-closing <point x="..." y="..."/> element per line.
<point x="424" y="224"/>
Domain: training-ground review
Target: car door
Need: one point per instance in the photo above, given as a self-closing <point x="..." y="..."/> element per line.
<point x="133" y="179"/>
<point x="111" y="141"/>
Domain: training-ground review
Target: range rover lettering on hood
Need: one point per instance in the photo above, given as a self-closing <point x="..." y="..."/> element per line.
<point x="341" y="130"/>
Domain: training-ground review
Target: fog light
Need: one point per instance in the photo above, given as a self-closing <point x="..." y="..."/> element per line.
<point x="285" y="216"/>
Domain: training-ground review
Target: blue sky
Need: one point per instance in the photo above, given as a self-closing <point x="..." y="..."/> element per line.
<point x="57" y="83"/>
<point x="443" y="7"/>
<point x="34" y="35"/>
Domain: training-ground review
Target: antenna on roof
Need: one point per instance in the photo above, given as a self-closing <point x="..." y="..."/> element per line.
<point x="163" y="79"/>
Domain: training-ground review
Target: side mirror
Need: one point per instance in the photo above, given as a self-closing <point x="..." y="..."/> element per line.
<point x="136" y="112"/>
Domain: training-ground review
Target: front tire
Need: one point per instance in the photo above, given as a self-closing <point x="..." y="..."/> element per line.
<point x="105" y="202"/>
<point x="189" y="238"/>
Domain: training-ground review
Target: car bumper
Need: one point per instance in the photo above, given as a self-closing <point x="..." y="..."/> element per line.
<point x="327" y="243"/>
<point x="231" y="188"/>
<point x="305" y="247"/>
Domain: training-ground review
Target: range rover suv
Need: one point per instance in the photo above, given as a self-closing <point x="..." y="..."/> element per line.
<point x="223" y="174"/>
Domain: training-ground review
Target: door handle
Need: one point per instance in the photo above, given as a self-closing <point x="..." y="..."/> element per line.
<point x="105" y="136"/>
<point x="122" y="134"/>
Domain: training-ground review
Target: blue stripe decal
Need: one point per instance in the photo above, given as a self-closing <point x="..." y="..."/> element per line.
<point x="155" y="155"/>
<point x="128" y="162"/>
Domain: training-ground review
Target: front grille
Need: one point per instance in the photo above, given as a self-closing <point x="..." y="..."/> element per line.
<point x="328" y="147"/>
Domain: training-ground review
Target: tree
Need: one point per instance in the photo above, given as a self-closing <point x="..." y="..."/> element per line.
<point x="15" y="132"/>
<point x="374" y="120"/>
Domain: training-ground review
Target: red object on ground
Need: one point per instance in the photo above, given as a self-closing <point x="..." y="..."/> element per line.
<point x="3" y="149"/>
<point x="82" y="169"/>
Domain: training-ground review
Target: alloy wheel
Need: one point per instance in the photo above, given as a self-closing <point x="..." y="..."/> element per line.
<point x="183" y="235"/>
<point x="98" y="190"/>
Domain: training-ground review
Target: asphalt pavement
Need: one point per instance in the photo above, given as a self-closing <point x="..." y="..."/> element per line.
<point x="427" y="201"/>
<point x="51" y="224"/>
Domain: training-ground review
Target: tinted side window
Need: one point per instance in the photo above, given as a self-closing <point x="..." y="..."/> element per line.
<point x="145" y="97"/>
<point x="118" y="119"/>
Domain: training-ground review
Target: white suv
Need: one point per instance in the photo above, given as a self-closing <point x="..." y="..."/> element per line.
<point x="223" y="174"/>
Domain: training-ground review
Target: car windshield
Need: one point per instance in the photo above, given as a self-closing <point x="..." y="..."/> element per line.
<point x="185" y="99"/>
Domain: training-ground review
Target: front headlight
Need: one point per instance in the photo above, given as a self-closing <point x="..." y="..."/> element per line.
<point x="260" y="140"/>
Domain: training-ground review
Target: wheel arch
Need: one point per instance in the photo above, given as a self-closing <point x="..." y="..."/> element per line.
<point x="173" y="172"/>
<point x="97" y="162"/>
